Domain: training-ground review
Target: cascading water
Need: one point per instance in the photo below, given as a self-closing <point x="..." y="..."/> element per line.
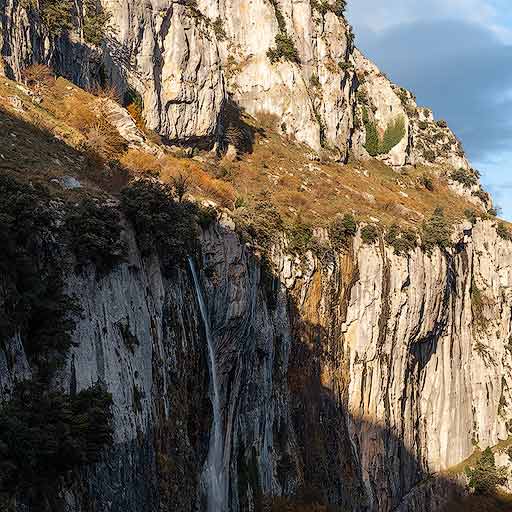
<point x="215" y="474"/>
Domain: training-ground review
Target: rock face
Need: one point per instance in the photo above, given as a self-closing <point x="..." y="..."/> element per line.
<point x="189" y="61"/>
<point x="356" y="380"/>
<point x="352" y="380"/>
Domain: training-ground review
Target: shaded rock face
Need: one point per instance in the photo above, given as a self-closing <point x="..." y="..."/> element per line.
<point x="189" y="61"/>
<point x="351" y="381"/>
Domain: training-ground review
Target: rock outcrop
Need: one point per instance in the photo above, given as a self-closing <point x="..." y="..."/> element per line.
<point x="358" y="380"/>
<point x="190" y="60"/>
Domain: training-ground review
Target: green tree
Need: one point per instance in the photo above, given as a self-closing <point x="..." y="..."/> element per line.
<point x="485" y="476"/>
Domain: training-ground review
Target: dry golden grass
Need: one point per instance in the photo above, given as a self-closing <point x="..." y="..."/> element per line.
<point x="286" y="172"/>
<point x="108" y="92"/>
<point x="135" y="111"/>
<point x="139" y="161"/>
<point x="38" y="75"/>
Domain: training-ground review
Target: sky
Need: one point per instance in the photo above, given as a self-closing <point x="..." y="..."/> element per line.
<point x="456" y="56"/>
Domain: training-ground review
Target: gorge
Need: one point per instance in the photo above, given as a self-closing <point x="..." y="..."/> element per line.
<point x="244" y="270"/>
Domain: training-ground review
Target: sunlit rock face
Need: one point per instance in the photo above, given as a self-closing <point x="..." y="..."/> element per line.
<point x="190" y="61"/>
<point x="354" y="379"/>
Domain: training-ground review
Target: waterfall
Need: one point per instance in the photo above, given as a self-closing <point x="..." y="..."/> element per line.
<point x="215" y="474"/>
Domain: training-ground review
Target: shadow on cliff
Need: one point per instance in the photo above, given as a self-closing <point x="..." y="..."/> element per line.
<point x="345" y="463"/>
<point x="331" y="458"/>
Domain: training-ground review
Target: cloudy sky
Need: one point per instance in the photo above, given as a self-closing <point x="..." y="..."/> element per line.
<point x="456" y="56"/>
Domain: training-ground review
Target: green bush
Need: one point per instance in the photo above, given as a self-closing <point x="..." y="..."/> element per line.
<point x="57" y="16"/>
<point x="342" y="230"/>
<point x="163" y="226"/>
<point x="95" y="233"/>
<point x="466" y="177"/>
<point x="285" y="49"/>
<point x="503" y="231"/>
<point x="44" y="434"/>
<point x="96" y="21"/>
<point x="372" y="142"/>
<point x="422" y="125"/>
<point x="369" y="234"/>
<point x="403" y="241"/>
<point x="394" y="133"/>
<point x="436" y="231"/>
<point x="259" y="224"/>
<point x="481" y="194"/>
<point x="300" y="236"/>
<point x="485" y="477"/>
<point x="35" y="303"/>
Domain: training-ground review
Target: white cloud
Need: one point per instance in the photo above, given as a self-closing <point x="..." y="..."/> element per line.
<point x="379" y="16"/>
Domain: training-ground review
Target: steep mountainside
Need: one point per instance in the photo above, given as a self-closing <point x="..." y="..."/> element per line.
<point x="271" y="282"/>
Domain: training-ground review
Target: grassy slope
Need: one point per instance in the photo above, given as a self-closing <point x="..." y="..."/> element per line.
<point x="278" y="169"/>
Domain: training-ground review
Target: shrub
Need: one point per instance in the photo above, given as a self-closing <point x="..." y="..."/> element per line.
<point x="218" y="28"/>
<point x="57" y="16"/>
<point x="342" y="230"/>
<point x="135" y="107"/>
<point x="470" y="215"/>
<point x="180" y="185"/>
<point x="394" y="133"/>
<point x="481" y="194"/>
<point x="345" y="66"/>
<point x="38" y="75"/>
<point x="485" y="477"/>
<point x="162" y="225"/>
<point x="436" y="231"/>
<point x="466" y="177"/>
<point x="35" y="303"/>
<point x="44" y="434"/>
<point x="370" y="234"/>
<point x="427" y="182"/>
<point x="95" y="235"/>
<point x="207" y="215"/>
<point x="429" y="155"/>
<point x="96" y="21"/>
<point x="105" y="140"/>
<point x="259" y="224"/>
<point x="442" y="123"/>
<point x="402" y="240"/>
<point x="422" y="125"/>
<point x="141" y="162"/>
<point x="372" y="136"/>
<point x="300" y="237"/>
<point x="315" y="81"/>
<point x="503" y="231"/>
<point x="285" y="49"/>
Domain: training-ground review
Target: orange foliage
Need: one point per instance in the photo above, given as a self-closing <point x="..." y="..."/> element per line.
<point x="140" y="161"/>
<point x="136" y="112"/>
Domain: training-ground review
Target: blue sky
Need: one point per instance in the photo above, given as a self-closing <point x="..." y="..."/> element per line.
<point x="456" y="56"/>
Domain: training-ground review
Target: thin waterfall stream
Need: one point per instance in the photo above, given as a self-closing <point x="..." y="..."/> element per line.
<point x="215" y="474"/>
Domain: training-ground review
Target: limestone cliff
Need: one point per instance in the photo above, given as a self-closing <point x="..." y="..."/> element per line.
<point x="355" y="376"/>
<point x="360" y="378"/>
<point x="190" y="60"/>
